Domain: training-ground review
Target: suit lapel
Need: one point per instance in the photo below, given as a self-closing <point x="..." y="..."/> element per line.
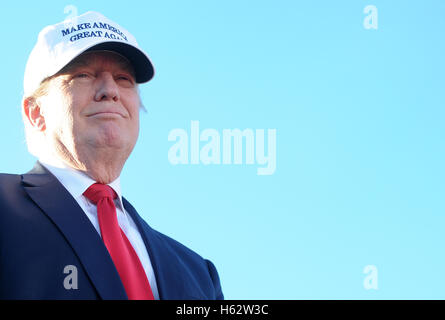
<point x="169" y="271"/>
<point x="58" y="204"/>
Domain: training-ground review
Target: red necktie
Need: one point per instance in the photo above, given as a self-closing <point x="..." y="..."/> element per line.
<point x="122" y="253"/>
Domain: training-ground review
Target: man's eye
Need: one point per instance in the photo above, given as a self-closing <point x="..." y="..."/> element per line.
<point x="82" y="75"/>
<point x="125" y="81"/>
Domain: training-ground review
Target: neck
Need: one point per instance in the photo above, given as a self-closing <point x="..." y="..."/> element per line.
<point x="102" y="165"/>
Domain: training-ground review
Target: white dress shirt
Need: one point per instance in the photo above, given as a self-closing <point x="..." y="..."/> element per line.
<point x="77" y="182"/>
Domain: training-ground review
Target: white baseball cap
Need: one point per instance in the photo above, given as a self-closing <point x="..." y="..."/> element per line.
<point x="57" y="45"/>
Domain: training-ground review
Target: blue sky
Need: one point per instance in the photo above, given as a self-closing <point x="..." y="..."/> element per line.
<point x="358" y="115"/>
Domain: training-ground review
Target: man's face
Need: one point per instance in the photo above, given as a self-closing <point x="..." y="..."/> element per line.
<point x="92" y="103"/>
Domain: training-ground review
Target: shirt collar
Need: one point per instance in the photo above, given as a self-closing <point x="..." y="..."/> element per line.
<point x="76" y="181"/>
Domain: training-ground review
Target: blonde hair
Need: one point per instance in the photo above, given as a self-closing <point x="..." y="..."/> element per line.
<point x="35" y="139"/>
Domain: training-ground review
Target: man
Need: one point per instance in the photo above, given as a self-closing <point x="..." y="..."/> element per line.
<point x="66" y="232"/>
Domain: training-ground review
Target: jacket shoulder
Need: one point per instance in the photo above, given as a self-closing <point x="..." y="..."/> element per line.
<point x="198" y="267"/>
<point x="9" y="184"/>
<point x="9" y="177"/>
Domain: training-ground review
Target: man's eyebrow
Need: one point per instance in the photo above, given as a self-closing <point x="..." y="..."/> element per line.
<point x="82" y="62"/>
<point x="77" y="63"/>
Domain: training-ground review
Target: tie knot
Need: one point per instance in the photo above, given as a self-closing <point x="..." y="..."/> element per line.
<point x="99" y="191"/>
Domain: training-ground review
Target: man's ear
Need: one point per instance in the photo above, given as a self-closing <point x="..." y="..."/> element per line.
<point x="33" y="113"/>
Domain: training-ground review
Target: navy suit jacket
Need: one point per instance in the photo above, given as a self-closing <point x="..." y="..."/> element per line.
<point x="43" y="230"/>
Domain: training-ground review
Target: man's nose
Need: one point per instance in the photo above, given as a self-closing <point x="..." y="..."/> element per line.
<point x="107" y="88"/>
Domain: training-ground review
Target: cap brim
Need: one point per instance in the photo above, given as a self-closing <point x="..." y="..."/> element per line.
<point x="143" y="68"/>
